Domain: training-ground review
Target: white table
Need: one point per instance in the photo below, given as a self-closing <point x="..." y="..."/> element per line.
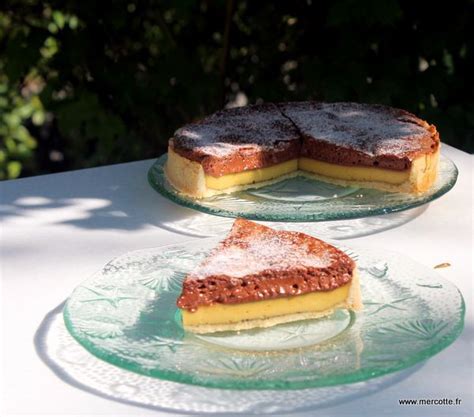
<point x="59" y="229"/>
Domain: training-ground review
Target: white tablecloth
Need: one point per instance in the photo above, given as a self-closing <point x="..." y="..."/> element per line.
<point x="58" y="229"/>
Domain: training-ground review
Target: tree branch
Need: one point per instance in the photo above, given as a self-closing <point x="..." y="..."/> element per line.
<point x="164" y="27"/>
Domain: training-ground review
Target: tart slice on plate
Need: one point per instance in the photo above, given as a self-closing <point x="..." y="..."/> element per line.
<point x="260" y="277"/>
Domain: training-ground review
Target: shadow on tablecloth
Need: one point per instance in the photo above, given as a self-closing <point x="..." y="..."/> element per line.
<point x="77" y="367"/>
<point x="120" y="198"/>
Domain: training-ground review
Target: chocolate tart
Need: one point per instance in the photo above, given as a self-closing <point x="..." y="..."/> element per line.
<point x="371" y="146"/>
<point x="260" y="277"/>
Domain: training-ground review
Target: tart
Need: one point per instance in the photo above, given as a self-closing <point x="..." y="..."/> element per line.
<point x="371" y="146"/>
<point x="260" y="277"/>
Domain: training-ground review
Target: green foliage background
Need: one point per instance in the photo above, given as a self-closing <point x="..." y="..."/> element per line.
<point x="85" y="83"/>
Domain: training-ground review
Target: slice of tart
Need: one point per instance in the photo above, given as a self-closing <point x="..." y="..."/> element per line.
<point x="260" y="277"/>
<point x="370" y="146"/>
<point x="231" y="150"/>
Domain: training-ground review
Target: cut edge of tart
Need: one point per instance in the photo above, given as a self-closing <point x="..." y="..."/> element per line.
<point x="189" y="177"/>
<point x="347" y="144"/>
<point x="261" y="277"/>
<point x="416" y="180"/>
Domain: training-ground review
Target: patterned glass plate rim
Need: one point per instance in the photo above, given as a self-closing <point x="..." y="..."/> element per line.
<point x="125" y="314"/>
<point x="338" y="203"/>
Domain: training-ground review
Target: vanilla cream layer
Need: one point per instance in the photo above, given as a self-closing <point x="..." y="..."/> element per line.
<point x="353" y="173"/>
<point x="252" y="176"/>
<point x="234" y="313"/>
<point x="189" y="177"/>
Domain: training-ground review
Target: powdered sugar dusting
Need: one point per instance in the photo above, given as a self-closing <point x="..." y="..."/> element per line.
<point x="371" y="129"/>
<point x="241" y="257"/>
<point x="250" y="128"/>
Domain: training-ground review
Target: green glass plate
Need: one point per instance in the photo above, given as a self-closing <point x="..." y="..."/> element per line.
<point x="126" y="315"/>
<point x="302" y="199"/>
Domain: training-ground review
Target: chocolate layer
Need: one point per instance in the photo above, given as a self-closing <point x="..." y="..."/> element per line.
<point x="242" y="160"/>
<point x="239" y="139"/>
<point x="257" y="263"/>
<point x="339" y="155"/>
